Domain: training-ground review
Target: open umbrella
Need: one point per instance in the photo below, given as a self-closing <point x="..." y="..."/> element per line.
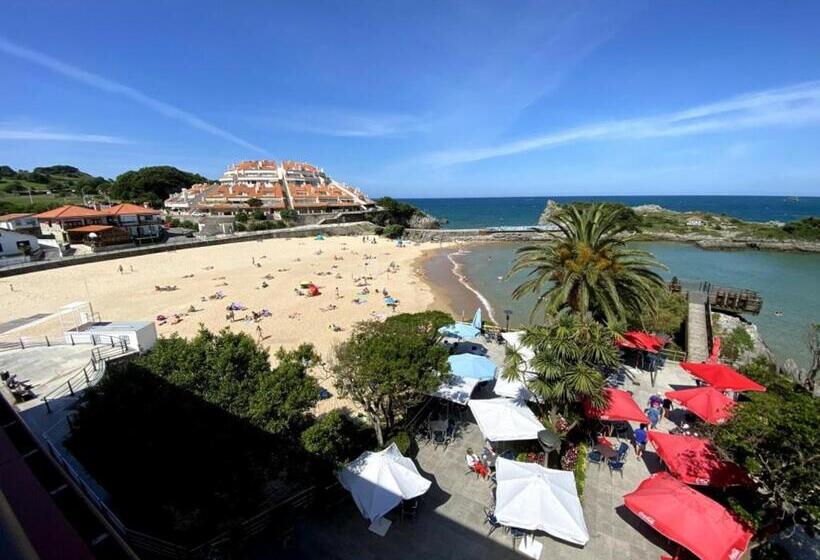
<point x="620" y="407"/>
<point x="477" y="322"/>
<point x="641" y="341"/>
<point x="473" y="366"/>
<point x="721" y="376"/>
<point x="531" y="497"/>
<point x="695" y="461"/>
<point x="379" y="481"/>
<point x="505" y="419"/>
<point x="706" y="402"/>
<point x="689" y="518"/>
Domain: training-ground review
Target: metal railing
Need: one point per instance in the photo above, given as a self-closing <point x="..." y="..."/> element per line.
<point x="89" y="375"/>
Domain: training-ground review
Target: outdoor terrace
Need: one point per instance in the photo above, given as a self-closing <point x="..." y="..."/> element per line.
<point x="450" y="521"/>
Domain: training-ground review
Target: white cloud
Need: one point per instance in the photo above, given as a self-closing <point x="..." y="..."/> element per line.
<point x="110" y="86"/>
<point x="790" y="106"/>
<point x="345" y="123"/>
<point x="48" y="136"/>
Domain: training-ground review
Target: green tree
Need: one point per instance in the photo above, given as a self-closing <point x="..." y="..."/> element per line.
<point x="775" y="436"/>
<point x="667" y="315"/>
<point x="330" y="438"/>
<point x="385" y="367"/>
<point x="393" y="212"/>
<point x="241" y="217"/>
<point x="393" y="231"/>
<point x="570" y="351"/>
<point x="152" y="184"/>
<point x="734" y="344"/>
<point x="289" y="215"/>
<point x="254" y="203"/>
<point x="258" y="214"/>
<point x="589" y="267"/>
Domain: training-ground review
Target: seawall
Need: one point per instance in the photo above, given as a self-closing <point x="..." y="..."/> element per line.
<point x="357" y="228"/>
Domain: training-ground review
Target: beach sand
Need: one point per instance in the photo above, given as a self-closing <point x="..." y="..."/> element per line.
<point x="238" y="270"/>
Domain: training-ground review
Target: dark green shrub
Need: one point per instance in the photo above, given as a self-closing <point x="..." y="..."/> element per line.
<point x="238" y="226"/>
<point x="378" y="230"/>
<point x="393" y="231"/>
<point x="403" y="441"/>
<point x="330" y="438"/>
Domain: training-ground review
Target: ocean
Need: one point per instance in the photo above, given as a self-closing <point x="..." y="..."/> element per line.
<point x="462" y="213"/>
<point x="788" y="282"/>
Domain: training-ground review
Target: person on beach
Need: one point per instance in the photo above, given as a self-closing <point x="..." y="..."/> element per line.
<point x="120" y="269"/>
<point x="475" y="464"/>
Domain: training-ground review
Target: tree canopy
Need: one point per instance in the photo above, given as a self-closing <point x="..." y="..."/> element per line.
<point x="589" y="267"/>
<point x="196" y="431"/>
<point x="570" y="351"/>
<point x="393" y="212"/>
<point x="385" y="367"/>
<point x="152" y="184"/>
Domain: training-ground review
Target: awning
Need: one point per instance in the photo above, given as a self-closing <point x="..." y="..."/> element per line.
<point x="505" y="419"/>
<point x="458" y="390"/>
<point x="641" y="341"/>
<point x="533" y="498"/>
<point x="706" y="402"/>
<point x="721" y="376"/>
<point x="695" y="461"/>
<point x="379" y="481"/>
<point x="689" y="518"/>
<point x="472" y="366"/>
<point x="620" y="407"/>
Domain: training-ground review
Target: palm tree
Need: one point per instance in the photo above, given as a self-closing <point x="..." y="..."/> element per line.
<point x="570" y="350"/>
<point x="590" y="267"/>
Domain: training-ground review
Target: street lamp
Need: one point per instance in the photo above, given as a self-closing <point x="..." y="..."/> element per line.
<point x="507" y="313"/>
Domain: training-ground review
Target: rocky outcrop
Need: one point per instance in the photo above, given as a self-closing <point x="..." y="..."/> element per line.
<point x="550" y="210"/>
<point x="422" y="220"/>
<point x="727" y="323"/>
<point x="649" y="209"/>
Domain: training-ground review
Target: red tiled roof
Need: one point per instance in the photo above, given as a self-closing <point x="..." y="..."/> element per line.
<point x="90" y="229"/>
<point x="127" y="208"/>
<point x="70" y="211"/>
<point x="10" y="217"/>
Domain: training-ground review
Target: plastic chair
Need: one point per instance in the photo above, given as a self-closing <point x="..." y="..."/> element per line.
<point x="490" y="519"/>
<point x="615" y="465"/>
<point x="622" y="451"/>
<point x="440" y="438"/>
<point x="595" y="457"/>
<point x="517" y="534"/>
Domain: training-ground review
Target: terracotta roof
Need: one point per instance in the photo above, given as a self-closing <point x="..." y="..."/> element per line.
<point x="127" y="208"/>
<point x="90" y="229"/>
<point x="10" y="217"/>
<point x="70" y="211"/>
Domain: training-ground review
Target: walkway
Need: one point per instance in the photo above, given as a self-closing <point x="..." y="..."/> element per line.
<point x="697" y="342"/>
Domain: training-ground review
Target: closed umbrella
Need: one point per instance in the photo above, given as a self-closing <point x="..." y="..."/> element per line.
<point x="689" y="518"/>
<point x="695" y="461"/>
<point x="706" y="402"/>
<point x="721" y="376"/>
<point x="379" y="481"/>
<point x="530" y="497"/>
<point x="473" y="366"/>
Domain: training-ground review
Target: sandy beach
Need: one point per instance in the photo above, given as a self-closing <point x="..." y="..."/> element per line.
<point x="238" y="271"/>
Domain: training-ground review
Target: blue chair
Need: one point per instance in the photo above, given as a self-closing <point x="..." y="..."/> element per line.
<point x="615" y="465"/>
<point x="622" y="450"/>
<point x="517" y="534"/>
<point x="490" y="519"/>
<point x="595" y="457"/>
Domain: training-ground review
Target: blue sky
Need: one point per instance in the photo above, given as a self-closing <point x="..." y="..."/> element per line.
<point x="425" y="98"/>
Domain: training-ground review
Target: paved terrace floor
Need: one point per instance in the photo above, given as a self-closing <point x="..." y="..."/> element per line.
<point x="450" y="522"/>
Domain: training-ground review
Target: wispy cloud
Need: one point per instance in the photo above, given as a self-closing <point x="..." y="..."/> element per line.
<point x="789" y="106"/>
<point x="346" y="123"/>
<point x="110" y="86"/>
<point x="46" y="136"/>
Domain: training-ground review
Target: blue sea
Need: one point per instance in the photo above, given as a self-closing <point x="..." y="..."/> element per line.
<point x="462" y="213"/>
<point x="788" y="282"/>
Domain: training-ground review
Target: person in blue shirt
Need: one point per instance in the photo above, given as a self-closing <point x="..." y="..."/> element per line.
<point x="641" y="437"/>
<point x="654" y="415"/>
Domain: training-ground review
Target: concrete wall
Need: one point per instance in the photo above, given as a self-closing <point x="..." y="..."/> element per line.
<point x="9" y="240"/>
<point x="358" y="228"/>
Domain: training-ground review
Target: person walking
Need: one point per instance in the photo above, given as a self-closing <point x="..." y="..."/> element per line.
<point x="654" y="415"/>
<point x="641" y="437"/>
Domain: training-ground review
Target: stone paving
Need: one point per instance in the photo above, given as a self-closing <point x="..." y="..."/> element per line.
<point x="450" y="522"/>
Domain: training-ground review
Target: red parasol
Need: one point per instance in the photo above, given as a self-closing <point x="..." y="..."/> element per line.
<point x="620" y="406"/>
<point x="721" y="376"/>
<point x="641" y="341"/>
<point x="689" y="518"/>
<point x="695" y="461"/>
<point x="707" y="402"/>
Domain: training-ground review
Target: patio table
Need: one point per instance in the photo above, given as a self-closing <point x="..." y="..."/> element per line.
<point x="605" y="451"/>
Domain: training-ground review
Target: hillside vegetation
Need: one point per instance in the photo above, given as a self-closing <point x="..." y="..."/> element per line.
<point x="44" y="188"/>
